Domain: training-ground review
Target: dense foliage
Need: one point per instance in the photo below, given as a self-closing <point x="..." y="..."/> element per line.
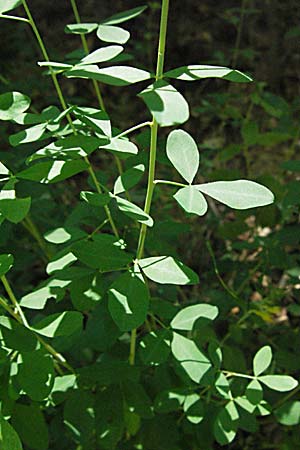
<point x="150" y="275"/>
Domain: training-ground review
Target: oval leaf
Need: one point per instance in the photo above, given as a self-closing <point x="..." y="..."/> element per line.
<point x="128" y="301"/>
<point x="115" y="75"/>
<point x="167" y="270"/>
<point x="191" y="200"/>
<point x="102" y="54"/>
<point x="183" y="153"/>
<point x="6" y="263"/>
<point x="239" y="194"/>
<point x="165" y="103"/>
<point x="281" y="383"/>
<point x="262" y="360"/>
<point x="185" y="319"/>
<point x="13" y="104"/>
<point x="196" y="72"/>
<point x="60" y="324"/>
<point x="110" y="33"/>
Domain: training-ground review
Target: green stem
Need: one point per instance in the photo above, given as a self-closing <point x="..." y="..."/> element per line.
<point x="20" y="317"/>
<point x="239" y="375"/>
<point x="132" y="347"/>
<point x="136" y="127"/>
<point x="31" y="227"/>
<point x="222" y="282"/>
<point x="64" y="106"/>
<point x="173" y="183"/>
<point x="86" y="49"/>
<point x="239" y="34"/>
<point x="153" y="148"/>
<point x="19" y="19"/>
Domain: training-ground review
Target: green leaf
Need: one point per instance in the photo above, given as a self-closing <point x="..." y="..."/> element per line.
<point x="4" y="172"/>
<point x="9" y="440"/>
<point x="128" y="179"/>
<point x="193" y="361"/>
<point x="62" y="235"/>
<point x="133" y="211"/>
<point x="196" y="72"/>
<point x="6" y="263"/>
<point x="194" y="408"/>
<point x="165" y="103"/>
<point x="128" y="301"/>
<point x="36" y="374"/>
<point x="254" y="392"/>
<point x="222" y="386"/>
<point x="109" y="417"/>
<point x="102" y="253"/>
<point x="225" y="426"/>
<point x="31" y="134"/>
<point x="262" y="360"/>
<point x="12" y="104"/>
<point x="79" y="416"/>
<point x="183" y="153"/>
<point x="98" y="120"/>
<point x="115" y="75"/>
<point x="168" y="401"/>
<point x="15" y="209"/>
<point x="191" y="200"/>
<point x="124" y="16"/>
<point x="109" y="33"/>
<point x="53" y="171"/>
<point x="102" y="54"/>
<point x="238" y="194"/>
<point x="137" y="399"/>
<point x="186" y="318"/>
<point x="81" y="28"/>
<point x="250" y="132"/>
<point x="60" y="324"/>
<point x="167" y="270"/>
<point x="70" y="147"/>
<point x="60" y="261"/>
<point x="37" y="299"/>
<point x="95" y="199"/>
<point x="123" y="148"/>
<point x="155" y="347"/>
<point x="281" y="383"/>
<point x="29" y="422"/>
<point x="289" y="413"/>
<point x="101" y="331"/>
<point x="16" y="336"/>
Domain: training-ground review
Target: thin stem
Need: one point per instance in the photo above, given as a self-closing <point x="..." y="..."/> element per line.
<point x="31" y="227"/>
<point x="222" y="282"/>
<point x="173" y="183"/>
<point x="153" y="148"/>
<point x="20" y="317"/>
<point x="132" y="347"/>
<point x="13" y="299"/>
<point x="64" y="106"/>
<point x="19" y="19"/>
<point x="239" y="34"/>
<point x="136" y="127"/>
<point x="86" y="49"/>
<point x="239" y="375"/>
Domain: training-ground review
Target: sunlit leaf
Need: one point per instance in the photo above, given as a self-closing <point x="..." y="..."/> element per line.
<point x="167" y="270"/>
<point x="185" y="319"/>
<point x="124" y="16"/>
<point x="239" y="194"/>
<point x="196" y="72"/>
<point x="262" y="360"/>
<point x="81" y="28"/>
<point x="12" y="104"/>
<point x="191" y="200"/>
<point x="102" y="54"/>
<point x="128" y="301"/>
<point x="165" y="103"/>
<point x="110" y="33"/>
<point x="183" y="153"/>
<point x="115" y="75"/>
